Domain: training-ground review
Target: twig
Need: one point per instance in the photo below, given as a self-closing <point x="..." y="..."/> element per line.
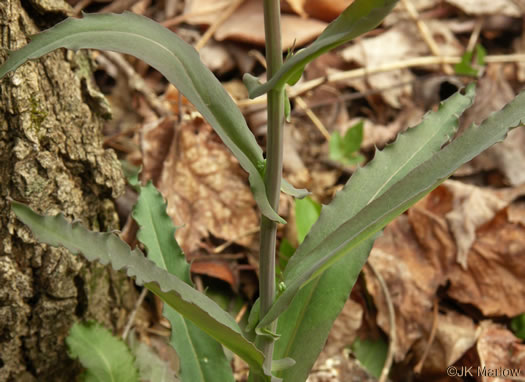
<point x="391" y="321"/>
<point x="213" y="27"/>
<point x="186" y="16"/>
<point x="474" y="36"/>
<point x="223" y="246"/>
<point x="433" y="330"/>
<point x="425" y="33"/>
<point x="118" y="6"/>
<point x="241" y="313"/>
<point x="362" y="72"/>
<point x="131" y="318"/>
<point x="315" y="120"/>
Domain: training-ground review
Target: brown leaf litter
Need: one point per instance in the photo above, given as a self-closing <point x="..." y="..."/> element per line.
<point x="459" y="240"/>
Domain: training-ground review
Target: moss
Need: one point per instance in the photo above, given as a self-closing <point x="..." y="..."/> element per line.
<point x="38" y="115"/>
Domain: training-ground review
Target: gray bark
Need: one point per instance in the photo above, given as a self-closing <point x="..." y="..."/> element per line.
<point x="51" y="157"/>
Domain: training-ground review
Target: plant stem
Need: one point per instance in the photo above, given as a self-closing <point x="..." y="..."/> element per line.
<point x="274" y="155"/>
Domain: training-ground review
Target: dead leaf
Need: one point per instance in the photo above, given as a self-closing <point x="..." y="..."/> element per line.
<point x="508" y="157"/>
<point x="473" y="206"/>
<point x="326" y="10"/>
<point x="344" y="330"/>
<point x="412" y="279"/>
<point x="487" y="7"/>
<point x="339" y="368"/>
<point x="293" y="165"/>
<point x="493" y="281"/>
<point x="417" y="254"/>
<point x="400" y="42"/>
<point x="298" y="7"/>
<point x="499" y="351"/>
<point x="400" y="13"/>
<point x="155" y="146"/>
<point x="378" y="135"/>
<point x="455" y="335"/>
<point x="217" y="58"/>
<point x="204" y="11"/>
<point x="206" y="190"/>
<point x="247" y="23"/>
<point x="216" y="269"/>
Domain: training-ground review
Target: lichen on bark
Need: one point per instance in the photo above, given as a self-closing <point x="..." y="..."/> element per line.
<point x="51" y="157"/>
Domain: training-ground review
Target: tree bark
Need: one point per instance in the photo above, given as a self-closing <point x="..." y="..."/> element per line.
<point x="51" y="157"/>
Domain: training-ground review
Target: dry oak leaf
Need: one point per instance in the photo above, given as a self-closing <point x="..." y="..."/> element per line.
<point x="455" y="334"/>
<point x="246" y="24"/>
<point x="206" y="189"/>
<point x="155" y="146"/>
<point x="417" y="254"/>
<point x="326" y="10"/>
<point x="217" y="269"/>
<point x="473" y="206"/>
<point x="412" y="278"/>
<point x="499" y="350"/>
<point x="493" y="281"/>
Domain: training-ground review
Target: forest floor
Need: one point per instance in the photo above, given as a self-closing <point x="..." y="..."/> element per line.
<point x="453" y="266"/>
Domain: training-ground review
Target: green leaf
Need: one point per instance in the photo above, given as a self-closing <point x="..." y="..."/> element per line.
<point x="353" y="138"/>
<point x="371" y="354"/>
<point x="518" y="326"/>
<point x="344" y="149"/>
<point x="287" y="188"/>
<point x="481" y="53"/>
<point x="420" y="181"/>
<point x="105" y="357"/>
<point x="151" y="366"/>
<point x="201" y="357"/>
<point x="311" y="313"/>
<point x="306" y="214"/>
<point x="360" y="17"/>
<point x="408" y="169"/>
<point x="176" y="60"/>
<point x="286" y="250"/>
<point x="108" y="248"/>
<point x="157" y="233"/>
<point x="305" y="325"/>
<point x="466" y="68"/>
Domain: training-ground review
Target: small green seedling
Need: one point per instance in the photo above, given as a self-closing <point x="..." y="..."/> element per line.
<point x="346" y="149"/>
<point x="467" y="68"/>
<point x="290" y="327"/>
<point x="107" y="358"/>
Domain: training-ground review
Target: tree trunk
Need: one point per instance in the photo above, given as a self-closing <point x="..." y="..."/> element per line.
<point x="51" y="157"/>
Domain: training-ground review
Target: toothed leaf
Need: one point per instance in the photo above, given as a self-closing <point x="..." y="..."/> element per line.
<point x="335" y="240"/>
<point x="105" y="357"/>
<point x="201" y="357"/>
<point x="107" y="248"/>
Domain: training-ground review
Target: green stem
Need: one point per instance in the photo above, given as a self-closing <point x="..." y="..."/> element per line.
<point x="274" y="155"/>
